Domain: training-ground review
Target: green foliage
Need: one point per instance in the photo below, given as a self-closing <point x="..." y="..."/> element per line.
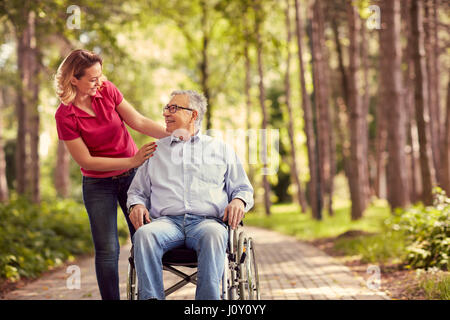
<point x="35" y="238"/>
<point x="427" y="232"/>
<point x="435" y="283"/>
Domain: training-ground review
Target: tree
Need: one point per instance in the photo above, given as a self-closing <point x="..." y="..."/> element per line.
<point x="259" y="19"/>
<point x="295" y="172"/>
<point x="62" y="170"/>
<point x="446" y="148"/>
<point x="392" y="103"/>
<point x="321" y="99"/>
<point x="4" y="192"/>
<point x="431" y="61"/>
<point x="315" y="198"/>
<point x="421" y="98"/>
<point x="358" y="180"/>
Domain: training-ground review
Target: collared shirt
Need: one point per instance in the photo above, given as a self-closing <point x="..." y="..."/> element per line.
<point x="199" y="176"/>
<point x="104" y="134"/>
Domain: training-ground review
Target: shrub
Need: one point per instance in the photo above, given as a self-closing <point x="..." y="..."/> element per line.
<point x="427" y="232"/>
<point x="35" y="238"/>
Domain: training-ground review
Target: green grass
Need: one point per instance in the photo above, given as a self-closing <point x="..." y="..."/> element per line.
<point x="436" y="285"/>
<point x="287" y="219"/>
<point x="386" y="247"/>
<point x="377" y="245"/>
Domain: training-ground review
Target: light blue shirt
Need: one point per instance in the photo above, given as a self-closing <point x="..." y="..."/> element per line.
<point x="199" y="176"/>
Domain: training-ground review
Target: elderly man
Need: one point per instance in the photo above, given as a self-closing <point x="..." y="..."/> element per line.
<point x="186" y="192"/>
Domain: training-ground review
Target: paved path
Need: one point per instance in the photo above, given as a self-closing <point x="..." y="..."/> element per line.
<point x="289" y="270"/>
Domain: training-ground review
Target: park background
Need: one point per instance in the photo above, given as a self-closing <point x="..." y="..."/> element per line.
<point x="357" y="91"/>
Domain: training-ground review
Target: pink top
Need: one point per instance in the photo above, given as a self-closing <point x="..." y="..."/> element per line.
<point x="104" y="135"/>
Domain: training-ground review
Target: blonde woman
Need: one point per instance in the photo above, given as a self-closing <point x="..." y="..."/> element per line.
<point x="91" y="121"/>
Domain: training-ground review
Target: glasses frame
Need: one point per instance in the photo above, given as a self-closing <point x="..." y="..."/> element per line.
<point x="175" y="107"/>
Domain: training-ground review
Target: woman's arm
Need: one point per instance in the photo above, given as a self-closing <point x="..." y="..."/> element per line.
<point x="140" y="123"/>
<point x="80" y="153"/>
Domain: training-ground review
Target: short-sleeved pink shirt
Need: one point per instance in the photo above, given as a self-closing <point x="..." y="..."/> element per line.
<point x="105" y="135"/>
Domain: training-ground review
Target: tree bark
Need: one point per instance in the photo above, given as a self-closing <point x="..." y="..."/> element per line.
<point x="294" y="172"/>
<point x="204" y="64"/>
<point x="342" y="104"/>
<point x="432" y="83"/>
<point x="446" y="148"/>
<point x="4" y="192"/>
<point x="392" y="98"/>
<point x="262" y="97"/>
<point x="62" y="169"/>
<point x="358" y="181"/>
<point x="321" y="100"/>
<point x="421" y="98"/>
<point x="248" y="98"/>
<point x="412" y="141"/>
<point x="27" y="156"/>
<point x="315" y="196"/>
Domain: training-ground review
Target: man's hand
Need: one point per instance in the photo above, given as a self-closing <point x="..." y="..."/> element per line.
<point x="138" y="214"/>
<point x="234" y="212"/>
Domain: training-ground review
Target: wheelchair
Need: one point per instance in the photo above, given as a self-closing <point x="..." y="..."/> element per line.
<point x="240" y="279"/>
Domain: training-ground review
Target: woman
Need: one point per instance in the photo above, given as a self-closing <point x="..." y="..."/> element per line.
<point x="91" y="121"/>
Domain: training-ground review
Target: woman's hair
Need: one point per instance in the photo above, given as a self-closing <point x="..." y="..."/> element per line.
<point x="74" y="65"/>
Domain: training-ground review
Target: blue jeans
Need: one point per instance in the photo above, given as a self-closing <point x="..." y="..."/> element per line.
<point x="100" y="196"/>
<point x="207" y="235"/>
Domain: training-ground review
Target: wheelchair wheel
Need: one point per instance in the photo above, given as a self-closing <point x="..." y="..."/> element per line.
<point x="248" y="270"/>
<point x="132" y="283"/>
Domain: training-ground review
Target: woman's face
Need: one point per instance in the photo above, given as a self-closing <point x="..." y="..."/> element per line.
<point x="90" y="81"/>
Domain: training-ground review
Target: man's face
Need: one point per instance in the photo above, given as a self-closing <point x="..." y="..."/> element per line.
<point x="181" y="119"/>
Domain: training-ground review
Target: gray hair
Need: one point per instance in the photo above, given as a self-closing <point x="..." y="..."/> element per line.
<point x="197" y="101"/>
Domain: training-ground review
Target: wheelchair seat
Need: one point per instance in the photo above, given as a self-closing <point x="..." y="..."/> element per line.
<point x="180" y="256"/>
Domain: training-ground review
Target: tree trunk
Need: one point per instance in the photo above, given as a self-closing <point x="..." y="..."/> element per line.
<point x="342" y="104"/>
<point x="27" y="156"/>
<point x="421" y="106"/>
<point x="4" y="192"/>
<point x="446" y="148"/>
<point x="315" y="197"/>
<point x="432" y="84"/>
<point x="358" y="182"/>
<point x="412" y="142"/>
<point x="204" y="72"/>
<point x="294" y="172"/>
<point x="248" y="98"/>
<point x="365" y="109"/>
<point x="321" y="100"/>
<point x="392" y="100"/>
<point x="262" y="97"/>
<point x="62" y="170"/>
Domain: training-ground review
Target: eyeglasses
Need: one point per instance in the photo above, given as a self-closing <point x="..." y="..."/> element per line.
<point x="173" y="108"/>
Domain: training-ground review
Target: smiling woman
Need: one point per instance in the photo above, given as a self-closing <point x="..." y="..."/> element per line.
<point x="91" y="121"/>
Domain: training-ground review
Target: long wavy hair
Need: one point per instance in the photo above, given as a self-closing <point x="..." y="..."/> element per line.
<point x="74" y="65"/>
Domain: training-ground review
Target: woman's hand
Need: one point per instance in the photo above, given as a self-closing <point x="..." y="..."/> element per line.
<point x="143" y="154"/>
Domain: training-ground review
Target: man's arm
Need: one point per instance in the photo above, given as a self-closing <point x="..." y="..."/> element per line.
<point x="139" y="194"/>
<point x="238" y="188"/>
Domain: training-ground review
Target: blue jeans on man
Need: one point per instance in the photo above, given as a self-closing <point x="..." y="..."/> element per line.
<point x="208" y="236"/>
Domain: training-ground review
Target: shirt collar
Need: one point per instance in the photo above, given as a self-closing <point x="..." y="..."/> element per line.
<point x="194" y="138"/>
<point x="98" y="94"/>
<point x="80" y="113"/>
